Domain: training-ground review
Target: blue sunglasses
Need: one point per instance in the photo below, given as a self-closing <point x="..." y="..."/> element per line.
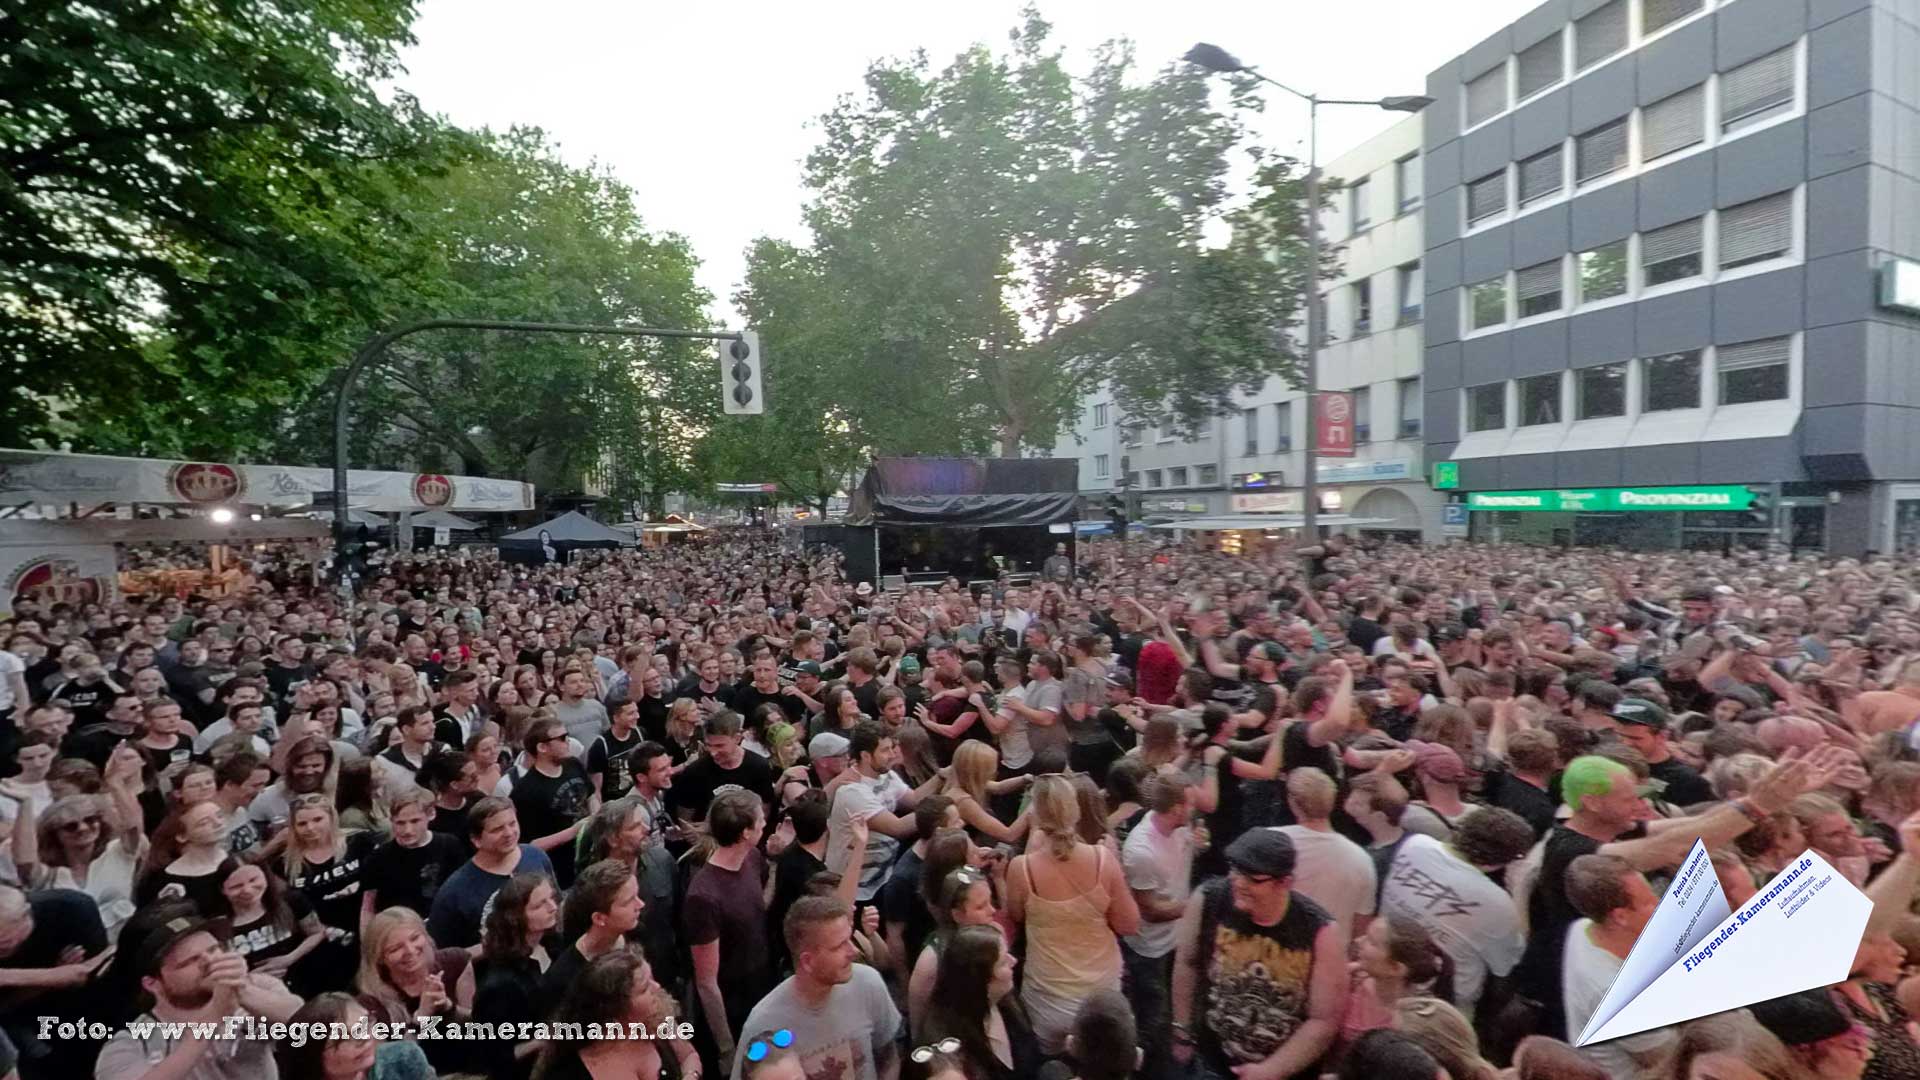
<point x="760" y="1048"/>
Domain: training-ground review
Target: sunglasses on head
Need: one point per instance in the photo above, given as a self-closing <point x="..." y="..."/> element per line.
<point x="923" y="1054"/>
<point x="760" y="1048"/>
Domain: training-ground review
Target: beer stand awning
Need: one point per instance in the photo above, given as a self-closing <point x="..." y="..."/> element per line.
<point x="1224" y="522"/>
<point x="39" y="477"/>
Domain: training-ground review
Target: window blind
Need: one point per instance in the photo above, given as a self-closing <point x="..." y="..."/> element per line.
<point x="1752" y="231"/>
<point x="1754" y="354"/>
<point x="1541" y="175"/>
<point x="1674" y="241"/>
<point x="1656" y="14"/>
<point x="1540" y="66"/>
<point x="1673" y="123"/>
<point x="1486" y="197"/>
<point x="1603" y="150"/>
<point x="1487" y="95"/>
<point x="1537" y="281"/>
<point x="1756" y="86"/>
<point x="1599" y="34"/>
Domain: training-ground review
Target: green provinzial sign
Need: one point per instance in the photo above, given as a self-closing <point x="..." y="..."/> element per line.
<point x="1590" y="500"/>
<point x="1446" y="475"/>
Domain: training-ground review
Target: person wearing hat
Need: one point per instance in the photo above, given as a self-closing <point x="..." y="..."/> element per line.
<point x="1615" y="902"/>
<point x="1260" y="971"/>
<point x="1645" y="726"/>
<point x="182" y="964"/>
<point x="827" y="756"/>
<point x="1818" y="1033"/>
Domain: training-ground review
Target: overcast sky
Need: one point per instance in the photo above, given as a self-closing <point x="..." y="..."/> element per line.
<point x="706" y="110"/>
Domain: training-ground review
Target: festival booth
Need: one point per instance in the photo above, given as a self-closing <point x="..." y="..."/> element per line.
<point x="673" y="529"/>
<point x="555" y="541"/>
<point x="144" y="526"/>
<point x="969" y="518"/>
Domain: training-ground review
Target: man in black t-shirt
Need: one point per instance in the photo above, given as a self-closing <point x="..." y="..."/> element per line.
<point x="1643" y="725"/>
<point x="607" y="757"/>
<point x="407" y="870"/>
<point x="765" y="689"/>
<point x="1523" y="786"/>
<point x="289" y="668"/>
<point x="726" y="763"/>
<point x="553" y="796"/>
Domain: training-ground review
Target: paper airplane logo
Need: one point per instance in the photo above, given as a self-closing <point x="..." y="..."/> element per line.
<point x="1697" y="957"/>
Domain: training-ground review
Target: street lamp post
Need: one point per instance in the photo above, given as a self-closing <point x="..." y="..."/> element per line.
<point x="1218" y="60"/>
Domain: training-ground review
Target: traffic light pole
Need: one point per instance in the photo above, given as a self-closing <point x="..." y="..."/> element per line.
<point x="377" y="347"/>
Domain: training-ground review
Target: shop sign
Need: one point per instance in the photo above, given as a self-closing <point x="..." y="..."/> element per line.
<point x="1272" y="502"/>
<point x="1603" y="500"/>
<point x="1446" y="475"/>
<point x="1172" y="506"/>
<point x="1335" y="424"/>
<point x="1354" y="472"/>
<point x="1900" y="285"/>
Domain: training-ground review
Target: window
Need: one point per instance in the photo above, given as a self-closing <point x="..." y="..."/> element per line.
<point x="1599" y="35"/>
<point x="1674" y="123"/>
<point x="1757" y="90"/>
<point x="1538" y="289"/>
<point x="1672" y="381"/>
<point x="1407" y="181"/>
<point x="1153" y="478"/>
<point x="1756" y="231"/>
<point x="1603" y="272"/>
<point x="1542" y="175"/>
<point x="1163" y="433"/>
<point x="1487" y="303"/>
<point x="1203" y="428"/>
<point x="1283" y="426"/>
<point x="1487" y="197"/>
<point x="1540" y="66"/>
<point x="1133" y="479"/>
<point x="1754" y="371"/>
<point x="1601" y="151"/>
<point x="1208" y="475"/>
<point x="1130" y="435"/>
<point x="1411" y="406"/>
<point x="1600" y="391"/>
<point x="1362" y="414"/>
<point x="1657" y="15"/>
<point x="1487" y="95"/>
<point x="1250" y="419"/>
<point x="1540" y="399"/>
<point x="1487" y="407"/>
<point x="1101" y="468"/>
<point x="1360" y="193"/>
<point x="1412" y="296"/>
<point x="1362" y="306"/>
<point x="1671" y="253"/>
<point x="1100" y="414"/>
<point x="1177" y="477"/>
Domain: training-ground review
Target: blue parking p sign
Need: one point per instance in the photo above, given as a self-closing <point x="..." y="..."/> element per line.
<point x="1454" y="514"/>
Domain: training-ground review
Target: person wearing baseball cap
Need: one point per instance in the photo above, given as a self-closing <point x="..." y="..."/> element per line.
<point x="1645" y="726"/>
<point x="827" y="752"/>
<point x="1265" y="969"/>
<point x="183" y="965"/>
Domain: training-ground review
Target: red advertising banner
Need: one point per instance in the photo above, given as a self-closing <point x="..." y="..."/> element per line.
<point x="1334" y="424"/>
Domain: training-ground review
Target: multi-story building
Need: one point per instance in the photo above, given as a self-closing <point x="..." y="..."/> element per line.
<point x="1250" y="459"/>
<point x="1669" y="246"/>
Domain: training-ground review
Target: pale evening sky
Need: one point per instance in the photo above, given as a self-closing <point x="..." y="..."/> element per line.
<point x="707" y="110"/>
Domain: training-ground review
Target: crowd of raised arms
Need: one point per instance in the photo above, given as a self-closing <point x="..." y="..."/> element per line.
<point x="713" y="810"/>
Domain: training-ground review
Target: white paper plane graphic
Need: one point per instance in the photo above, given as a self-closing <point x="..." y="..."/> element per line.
<point x="1696" y="957"/>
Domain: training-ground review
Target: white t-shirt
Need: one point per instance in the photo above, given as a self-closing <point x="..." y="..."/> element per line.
<point x="10" y="665"/>
<point x="1586" y="974"/>
<point x="1332" y="871"/>
<point x="864" y="798"/>
<point x="1016" y="743"/>
<point x="1163" y="863"/>
<point x="1470" y="917"/>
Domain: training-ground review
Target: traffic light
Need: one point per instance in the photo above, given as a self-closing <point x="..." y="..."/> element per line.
<point x="1760" y="511"/>
<point x="1117" y="514"/>
<point x="740" y="393"/>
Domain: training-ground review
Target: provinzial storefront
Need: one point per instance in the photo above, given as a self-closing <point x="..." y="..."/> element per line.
<point x="1711" y="517"/>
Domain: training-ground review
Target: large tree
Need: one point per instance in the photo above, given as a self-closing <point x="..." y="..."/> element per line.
<point x="1004" y="237"/>
<point x="194" y="200"/>
<point x="516" y="233"/>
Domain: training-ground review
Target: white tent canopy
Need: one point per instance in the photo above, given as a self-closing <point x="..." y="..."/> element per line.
<point x="1221" y="522"/>
<point x="440" y="519"/>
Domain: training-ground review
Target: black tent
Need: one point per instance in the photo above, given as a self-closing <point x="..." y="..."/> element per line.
<point x="556" y="540"/>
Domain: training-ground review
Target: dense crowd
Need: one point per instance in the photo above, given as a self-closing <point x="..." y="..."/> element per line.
<point x="714" y="810"/>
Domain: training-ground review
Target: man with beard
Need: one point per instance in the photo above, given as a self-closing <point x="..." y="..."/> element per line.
<point x="192" y="977"/>
<point x="307" y="763"/>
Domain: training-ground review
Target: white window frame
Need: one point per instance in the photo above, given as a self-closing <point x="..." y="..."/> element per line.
<point x="1709" y="243"/>
<point x="1507" y="393"/>
<point x="1626" y="43"/>
<point x="1505" y="67"/>
<point x="1563" y="35"/>
<point x="1359" y="199"/>
<point x="1401" y="204"/>
<point x="1639" y="20"/>
<point x="1513" y="308"/>
<point x="1200" y="477"/>
<point x="1626" y="390"/>
<point x="1467" y="329"/>
<point x="1560" y="393"/>
<point x="1581" y="303"/>
<point x="1101" y="414"/>
<point x="1102" y="466"/>
<point x="1469" y="225"/>
<point x="1710" y="369"/>
<point x="1178" y="476"/>
<point x="1701" y="397"/>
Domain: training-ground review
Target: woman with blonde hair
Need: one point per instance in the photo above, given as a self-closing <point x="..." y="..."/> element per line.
<point x="403" y="975"/>
<point x="683" y="732"/>
<point x="1074" y="900"/>
<point x="971" y="786"/>
<point x="1731" y="1046"/>
<point x="328" y="867"/>
<point x="1446" y="1034"/>
<point x="91" y="843"/>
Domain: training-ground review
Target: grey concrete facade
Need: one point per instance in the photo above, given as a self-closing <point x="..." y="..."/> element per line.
<point x="1840" y="159"/>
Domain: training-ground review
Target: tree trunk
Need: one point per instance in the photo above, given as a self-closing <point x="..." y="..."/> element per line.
<point x="1010" y="436"/>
